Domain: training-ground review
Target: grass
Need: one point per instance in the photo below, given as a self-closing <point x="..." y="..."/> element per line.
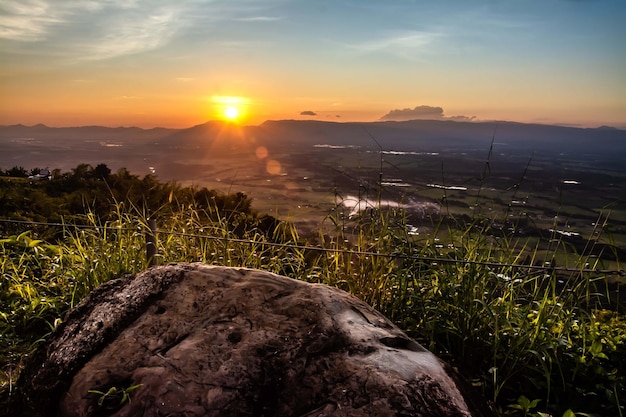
<point x="529" y="340"/>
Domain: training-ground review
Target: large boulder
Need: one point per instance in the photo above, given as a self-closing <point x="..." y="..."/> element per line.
<point x="197" y="340"/>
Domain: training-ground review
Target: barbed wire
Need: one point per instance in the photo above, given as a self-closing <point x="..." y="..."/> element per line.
<point x="432" y="259"/>
<point x="74" y="225"/>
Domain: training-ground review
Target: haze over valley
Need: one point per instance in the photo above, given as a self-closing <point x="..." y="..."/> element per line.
<point x="301" y="170"/>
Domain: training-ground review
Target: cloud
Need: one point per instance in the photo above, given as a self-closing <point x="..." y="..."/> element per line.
<point x="92" y="30"/>
<point x="258" y="19"/>
<point x="423" y="112"/>
<point x="419" y="112"/>
<point x="461" y="118"/>
<point x="27" y="20"/>
<point x="133" y="33"/>
<point x="405" y="40"/>
<point x="89" y="29"/>
<point x="410" y="45"/>
<point x="308" y="113"/>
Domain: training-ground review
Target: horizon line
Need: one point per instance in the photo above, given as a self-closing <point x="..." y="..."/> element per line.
<point x="618" y="126"/>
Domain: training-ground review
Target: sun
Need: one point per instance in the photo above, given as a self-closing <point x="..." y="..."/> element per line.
<point x="230" y="108"/>
<point x="231" y="113"/>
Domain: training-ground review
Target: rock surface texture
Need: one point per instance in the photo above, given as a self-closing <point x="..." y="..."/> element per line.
<point x="197" y="340"/>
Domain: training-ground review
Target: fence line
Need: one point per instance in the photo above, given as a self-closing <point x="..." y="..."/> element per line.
<point x="152" y="243"/>
<point x="77" y="226"/>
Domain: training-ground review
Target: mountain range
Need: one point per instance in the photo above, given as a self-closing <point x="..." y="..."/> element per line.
<point x="173" y="153"/>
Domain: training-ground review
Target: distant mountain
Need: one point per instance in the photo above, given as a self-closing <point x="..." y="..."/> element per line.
<point x="204" y="133"/>
<point x="437" y="135"/>
<point x="336" y="132"/>
<point x="41" y="131"/>
<point x="131" y="147"/>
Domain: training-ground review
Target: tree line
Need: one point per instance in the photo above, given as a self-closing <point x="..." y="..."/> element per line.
<point x="97" y="191"/>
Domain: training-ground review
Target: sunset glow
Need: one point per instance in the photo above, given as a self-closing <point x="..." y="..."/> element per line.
<point x="229" y="108"/>
<point x="144" y="64"/>
<point x="231" y="113"/>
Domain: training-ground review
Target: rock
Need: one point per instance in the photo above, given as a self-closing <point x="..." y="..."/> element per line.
<point x="197" y="340"/>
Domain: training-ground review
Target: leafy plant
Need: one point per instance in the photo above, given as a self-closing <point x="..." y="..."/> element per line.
<point x="114" y="397"/>
<point x="525" y="406"/>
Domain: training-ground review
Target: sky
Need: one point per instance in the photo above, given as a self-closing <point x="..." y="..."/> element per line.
<point x="180" y="63"/>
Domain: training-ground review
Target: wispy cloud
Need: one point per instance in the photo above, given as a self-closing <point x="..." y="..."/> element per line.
<point x="27" y="20"/>
<point x="133" y="33"/>
<point x="405" y="44"/>
<point x="258" y="19"/>
<point x="90" y="29"/>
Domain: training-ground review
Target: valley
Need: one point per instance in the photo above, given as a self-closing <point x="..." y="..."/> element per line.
<point x="537" y="182"/>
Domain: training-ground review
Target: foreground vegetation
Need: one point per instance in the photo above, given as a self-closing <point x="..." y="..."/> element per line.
<point x="533" y="341"/>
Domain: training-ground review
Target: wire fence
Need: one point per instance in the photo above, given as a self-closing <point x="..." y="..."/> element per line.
<point x="151" y="233"/>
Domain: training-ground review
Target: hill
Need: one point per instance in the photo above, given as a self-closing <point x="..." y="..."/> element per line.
<point x="289" y="164"/>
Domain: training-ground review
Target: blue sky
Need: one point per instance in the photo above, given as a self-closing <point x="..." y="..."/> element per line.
<point x="148" y="63"/>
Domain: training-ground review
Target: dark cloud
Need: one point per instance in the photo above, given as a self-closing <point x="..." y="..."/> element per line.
<point x="419" y="112"/>
<point x="461" y="118"/>
<point x="308" y="113"/>
<point x="423" y="112"/>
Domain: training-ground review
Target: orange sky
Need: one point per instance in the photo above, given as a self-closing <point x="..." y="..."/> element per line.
<point x="120" y="63"/>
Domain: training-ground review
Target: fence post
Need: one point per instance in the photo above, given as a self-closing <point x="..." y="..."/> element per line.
<point x="151" y="243"/>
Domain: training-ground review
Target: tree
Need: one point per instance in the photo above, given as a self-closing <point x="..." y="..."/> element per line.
<point x="101" y="172"/>
<point x="17" y="172"/>
<point x="82" y="171"/>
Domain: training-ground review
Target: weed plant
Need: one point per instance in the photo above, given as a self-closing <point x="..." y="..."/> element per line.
<point x="532" y="341"/>
<point x="515" y="331"/>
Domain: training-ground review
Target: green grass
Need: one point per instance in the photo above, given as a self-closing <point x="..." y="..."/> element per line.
<point x="529" y="340"/>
